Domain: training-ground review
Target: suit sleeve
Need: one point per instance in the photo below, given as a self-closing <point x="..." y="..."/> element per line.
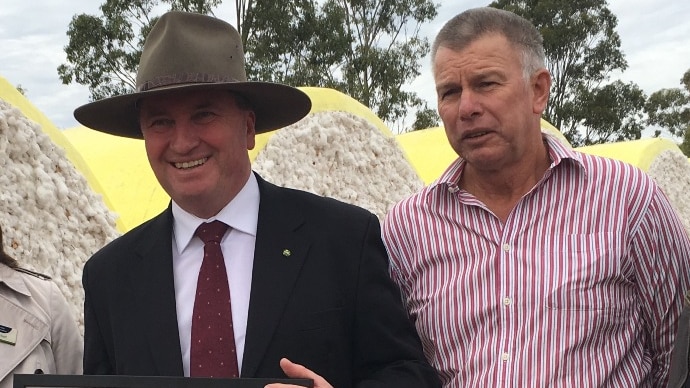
<point x="388" y="352"/>
<point x="96" y="358"/>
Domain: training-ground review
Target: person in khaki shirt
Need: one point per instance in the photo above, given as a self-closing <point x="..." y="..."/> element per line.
<point x="38" y="332"/>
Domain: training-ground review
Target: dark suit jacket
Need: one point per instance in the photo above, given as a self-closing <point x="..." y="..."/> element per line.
<point x="678" y="371"/>
<point x="329" y="305"/>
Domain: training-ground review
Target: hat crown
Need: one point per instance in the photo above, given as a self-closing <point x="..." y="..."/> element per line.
<point x="189" y="48"/>
<point x="187" y="51"/>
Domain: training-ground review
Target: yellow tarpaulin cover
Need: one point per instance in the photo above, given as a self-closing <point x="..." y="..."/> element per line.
<point x="117" y="167"/>
<point x="430" y="154"/>
<point x="120" y="166"/>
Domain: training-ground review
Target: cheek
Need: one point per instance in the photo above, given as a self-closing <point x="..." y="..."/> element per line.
<point x="154" y="147"/>
<point x="447" y="111"/>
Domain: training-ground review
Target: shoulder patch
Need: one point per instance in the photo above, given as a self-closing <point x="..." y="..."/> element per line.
<point x="32" y="273"/>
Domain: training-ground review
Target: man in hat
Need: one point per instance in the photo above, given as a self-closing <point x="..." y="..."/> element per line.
<point x="303" y="278"/>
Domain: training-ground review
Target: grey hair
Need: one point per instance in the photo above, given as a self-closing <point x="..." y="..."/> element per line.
<point x="468" y="26"/>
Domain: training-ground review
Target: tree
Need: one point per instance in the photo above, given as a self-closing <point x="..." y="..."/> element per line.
<point x="386" y="52"/>
<point x="583" y="49"/>
<point x="669" y="109"/>
<point x="295" y="43"/>
<point x="103" y="51"/>
<point x="426" y="118"/>
<point x="610" y="113"/>
<point x="367" y="49"/>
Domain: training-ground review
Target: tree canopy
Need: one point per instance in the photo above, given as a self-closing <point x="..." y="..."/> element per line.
<point x="669" y="109"/>
<point x="371" y="49"/>
<point x="583" y="50"/>
<point x="367" y="49"/>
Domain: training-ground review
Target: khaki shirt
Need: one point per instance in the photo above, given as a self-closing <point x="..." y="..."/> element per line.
<point x="44" y="332"/>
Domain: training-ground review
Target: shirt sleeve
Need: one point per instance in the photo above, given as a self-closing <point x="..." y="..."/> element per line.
<point x="660" y="249"/>
<point x="67" y="343"/>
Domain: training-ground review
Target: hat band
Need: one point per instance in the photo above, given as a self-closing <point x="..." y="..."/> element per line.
<point x="183" y="78"/>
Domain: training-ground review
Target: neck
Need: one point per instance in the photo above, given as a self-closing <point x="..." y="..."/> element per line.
<point x="500" y="189"/>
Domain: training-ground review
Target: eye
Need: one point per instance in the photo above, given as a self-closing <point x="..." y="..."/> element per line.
<point x="486" y="84"/>
<point x="203" y="117"/>
<point x="160" y="123"/>
<point x="450" y="92"/>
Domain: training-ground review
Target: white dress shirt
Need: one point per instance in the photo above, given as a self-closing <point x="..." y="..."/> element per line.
<point x="241" y="214"/>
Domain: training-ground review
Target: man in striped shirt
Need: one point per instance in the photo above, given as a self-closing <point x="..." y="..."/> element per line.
<point x="527" y="264"/>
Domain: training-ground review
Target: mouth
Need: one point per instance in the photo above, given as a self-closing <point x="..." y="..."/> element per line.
<point x="190" y="164"/>
<point x="475" y="134"/>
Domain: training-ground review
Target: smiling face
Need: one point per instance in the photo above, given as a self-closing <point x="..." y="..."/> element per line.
<point x="491" y="113"/>
<point x="197" y="143"/>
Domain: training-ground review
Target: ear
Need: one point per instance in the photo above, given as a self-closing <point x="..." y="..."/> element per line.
<point x="541" y="87"/>
<point x="250" y="124"/>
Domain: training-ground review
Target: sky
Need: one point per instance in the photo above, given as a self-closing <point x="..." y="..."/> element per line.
<point x="655" y="37"/>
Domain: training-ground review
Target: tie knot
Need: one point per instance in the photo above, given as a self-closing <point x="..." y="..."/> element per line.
<point x="211" y="231"/>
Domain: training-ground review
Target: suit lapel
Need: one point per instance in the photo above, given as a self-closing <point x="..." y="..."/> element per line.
<point x="153" y="282"/>
<point x="278" y="257"/>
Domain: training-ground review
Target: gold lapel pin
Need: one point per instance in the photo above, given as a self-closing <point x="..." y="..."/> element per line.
<point x="286" y="252"/>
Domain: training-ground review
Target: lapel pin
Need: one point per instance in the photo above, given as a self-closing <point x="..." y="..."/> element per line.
<point x="286" y="252"/>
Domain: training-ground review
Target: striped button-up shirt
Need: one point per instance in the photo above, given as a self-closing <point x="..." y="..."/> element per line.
<point x="582" y="285"/>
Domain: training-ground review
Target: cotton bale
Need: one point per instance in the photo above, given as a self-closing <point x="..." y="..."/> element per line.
<point x="52" y="220"/>
<point x="662" y="160"/>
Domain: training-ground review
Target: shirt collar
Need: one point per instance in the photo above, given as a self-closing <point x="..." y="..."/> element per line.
<point x="558" y="152"/>
<point x="241" y="213"/>
<point x="13" y="280"/>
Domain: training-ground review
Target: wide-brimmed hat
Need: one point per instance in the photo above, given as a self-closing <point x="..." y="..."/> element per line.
<point x="189" y="51"/>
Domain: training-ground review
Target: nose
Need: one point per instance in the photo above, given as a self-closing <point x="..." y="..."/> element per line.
<point x="185" y="138"/>
<point x="469" y="107"/>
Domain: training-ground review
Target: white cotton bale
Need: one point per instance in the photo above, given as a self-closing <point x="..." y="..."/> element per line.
<point x="340" y="155"/>
<point x="52" y="221"/>
<point x="671" y="170"/>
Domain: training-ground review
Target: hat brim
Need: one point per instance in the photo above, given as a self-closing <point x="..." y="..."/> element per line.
<point x="275" y="106"/>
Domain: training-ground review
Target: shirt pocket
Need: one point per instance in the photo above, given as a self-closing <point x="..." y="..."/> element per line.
<point x="587" y="275"/>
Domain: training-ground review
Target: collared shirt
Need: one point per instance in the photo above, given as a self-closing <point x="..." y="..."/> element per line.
<point x="43" y="335"/>
<point x="581" y="287"/>
<point x="241" y="214"/>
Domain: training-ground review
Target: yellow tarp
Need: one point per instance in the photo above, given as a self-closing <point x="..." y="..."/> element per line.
<point x="121" y="169"/>
<point x="429" y="152"/>
<point x="117" y="167"/>
<point x="640" y="153"/>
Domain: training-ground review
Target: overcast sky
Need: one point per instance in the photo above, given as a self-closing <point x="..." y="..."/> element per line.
<point x="655" y="38"/>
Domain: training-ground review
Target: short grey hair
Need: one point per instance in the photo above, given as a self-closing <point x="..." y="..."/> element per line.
<point x="466" y="27"/>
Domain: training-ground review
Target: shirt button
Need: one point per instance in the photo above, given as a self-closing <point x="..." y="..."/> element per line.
<point x="505" y="356"/>
<point x="506" y="301"/>
<point x="506" y="247"/>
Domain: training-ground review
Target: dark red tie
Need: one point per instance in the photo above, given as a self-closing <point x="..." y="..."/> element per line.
<point x="213" y="339"/>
